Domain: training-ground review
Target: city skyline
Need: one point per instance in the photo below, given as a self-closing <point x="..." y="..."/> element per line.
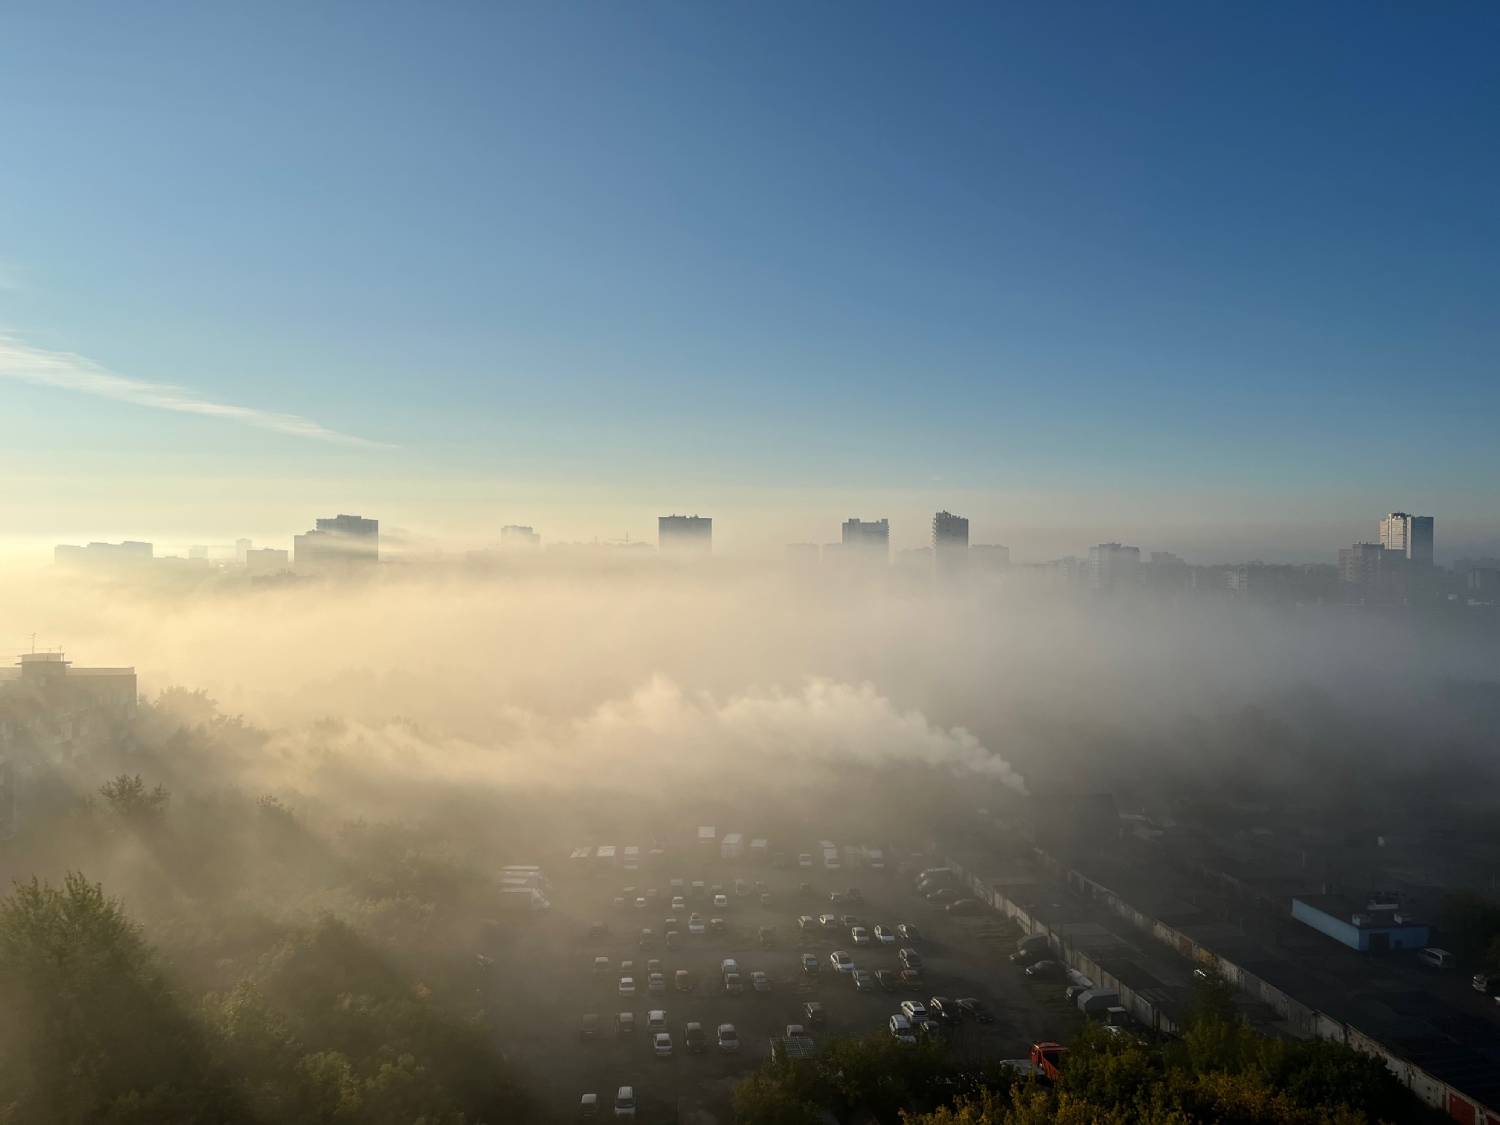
<point x="965" y="297"/>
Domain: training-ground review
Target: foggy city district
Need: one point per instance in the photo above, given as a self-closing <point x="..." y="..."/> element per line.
<point x="749" y="564"/>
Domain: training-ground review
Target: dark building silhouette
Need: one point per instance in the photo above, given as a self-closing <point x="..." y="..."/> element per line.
<point x="867" y="540"/>
<point x="64" y="689"/>
<point x="342" y="541"/>
<point x="950" y="544"/>
<point x="684" y="536"/>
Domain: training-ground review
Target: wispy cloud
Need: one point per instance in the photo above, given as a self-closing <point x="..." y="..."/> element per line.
<point x="69" y="372"/>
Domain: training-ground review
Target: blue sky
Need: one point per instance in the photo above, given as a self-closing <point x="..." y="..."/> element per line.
<point x="1086" y="271"/>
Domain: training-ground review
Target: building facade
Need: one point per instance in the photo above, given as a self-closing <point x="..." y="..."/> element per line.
<point x="338" y="542"/>
<point x="684" y="536"/>
<point x="868" y="539"/>
<point x="1112" y="565"/>
<point x="518" y="537"/>
<point x="1409" y="535"/>
<point x="950" y="544"/>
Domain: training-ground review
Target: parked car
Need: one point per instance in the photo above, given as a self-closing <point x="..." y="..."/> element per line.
<point x="849" y="921"/>
<point x="625" y="1102"/>
<point x="627" y="986"/>
<point x="944" y="1009"/>
<point x="798" y="1033"/>
<point x="625" y="1023"/>
<point x="863" y="981"/>
<point x="913" y="1010"/>
<point x="909" y="978"/>
<point x="648" y="939"/>
<point x="859" y="935"/>
<point x="804" y="859"/>
<point x="694" y="1041"/>
<point x="721" y="902"/>
<point x="1437" y="958"/>
<point x="885" y="935"/>
<point x="1045" y="970"/>
<point x="907" y="932"/>
<point x="601" y="966"/>
<point x="765" y="936"/>
<point x="671" y="939"/>
<point x="597" y="931"/>
<point x="974" y="1009"/>
<point x="760" y="982"/>
<point x="656" y="982"/>
<point x="841" y="961"/>
<point x="717" y="925"/>
<point x="964" y="906"/>
<point x="810" y="964"/>
<point x="901" y="1029"/>
<point x="661" y="1043"/>
<point x="853" y="895"/>
<point x="733" y="985"/>
<point x="910" y="958"/>
<point x="887" y="979"/>
<point x="588" y="1026"/>
<point x="765" y="898"/>
<point x="807" y="923"/>
<point x="588" y="1107"/>
<point x="729" y="1038"/>
<point x="656" y="1020"/>
<point x="1487" y="983"/>
<point x="828" y="921"/>
<point x="814" y="1014"/>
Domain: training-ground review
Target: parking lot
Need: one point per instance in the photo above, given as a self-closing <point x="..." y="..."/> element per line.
<point x="546" y="981"/>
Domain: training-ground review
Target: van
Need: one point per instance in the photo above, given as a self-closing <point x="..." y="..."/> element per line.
<point x="1437" y="958"/>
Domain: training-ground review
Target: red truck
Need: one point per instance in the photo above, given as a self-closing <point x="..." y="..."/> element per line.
<point x="1049" y="1056"/>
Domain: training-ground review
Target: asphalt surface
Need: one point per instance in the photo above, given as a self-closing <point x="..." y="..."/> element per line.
<point x="544" y="981"/>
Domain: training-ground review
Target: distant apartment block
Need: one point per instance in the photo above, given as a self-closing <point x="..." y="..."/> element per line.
<point x="1409" y="535"/>
<point x="65" y="689"/>
<point x="1112" y="565"/>
<point x="1370" y="574"/>
<point x="517" y="537"/>
<point x="950" y="544"/>
<point x="867" y="539"/>
<point x="684" y="536"/>
<point x="267" y="560"/>
<point x="338" y="542"/>
<point x="103" y="556"/>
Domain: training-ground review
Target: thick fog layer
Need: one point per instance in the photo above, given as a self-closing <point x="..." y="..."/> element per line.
<point x="657" y="679"/>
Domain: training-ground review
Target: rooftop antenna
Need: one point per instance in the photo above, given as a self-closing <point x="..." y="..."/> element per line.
<point x="33" y="643"/>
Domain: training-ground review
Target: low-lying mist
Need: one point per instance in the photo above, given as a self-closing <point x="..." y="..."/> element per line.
<point x="717" y="679"/>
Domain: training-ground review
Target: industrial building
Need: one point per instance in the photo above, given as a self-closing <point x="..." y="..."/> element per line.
<point x="1375" y="925"/>
<point x="67" y="689"/>
<point x="684" y="536"/>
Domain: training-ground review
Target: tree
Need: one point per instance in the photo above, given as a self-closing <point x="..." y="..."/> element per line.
<point x="130" y="800"/>
<point x="769" y="1097"/>
<point x="91" y="1032"/>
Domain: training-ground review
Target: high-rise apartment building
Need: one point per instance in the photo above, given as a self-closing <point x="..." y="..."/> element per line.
<point x="1370" y="573"/>
<point x="682" y="536"/>
<point x="516" y="537"/>
<point x="338" y="541"/>
<point x="950" y="544"/>
<point x="1112" y="565"/>
<point x="868" y="540"/>
<point x="1411" y="535"/>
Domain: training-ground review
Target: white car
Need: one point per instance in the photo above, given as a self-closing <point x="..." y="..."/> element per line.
<point x="885" y="935"/>
<point x="695" y="924"/>
<point x="656" y="1021"/>
<point x="798" y="1032"/>
<point x="625" y="1102"/>
<point x="627" y="986"/>
<point x="729" y="1038"/>
<point x="760" y="982"/>
<point x="859" y="935"/>
<point x="804" y="859"/>
<point x="679" y="903"/>
<point x="841" y="961"/>
<point x="914" y="1010"/>
<point x="901" y="1030"/>
<point x="661" y="1043"/>
<point x="729" y="965"/>
<point x="640" y="904"/>
<point x="721" y="902"/>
